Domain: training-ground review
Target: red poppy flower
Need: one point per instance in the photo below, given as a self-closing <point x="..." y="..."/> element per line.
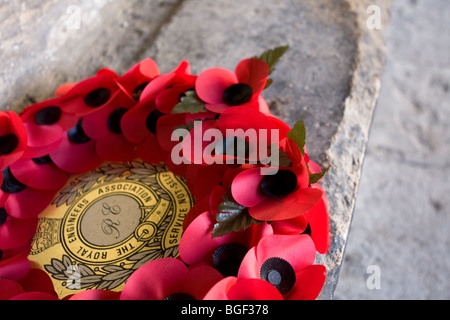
<point x="139" y="128"/>
<point x="91" y="94"/>
<point x="232" y="288"/>
<point x="141" y="124"/>
<point x="170" y="279"/>
<point x="240" y="135"/>
<point x="318" y="222"/>
<point x="201" y="179"/>
<point x="137" y="78"/>
<point x="15" y="232"/>
<point x="104" y="126"/>
<point x="14" y="263"/>
<point x="281" y="196"/>
<point x="21" y="201"/>
<point x="45" y="123"/>
<point x="223" y="253"/>
<point x="39" y="173"/>
<point x="13" y="138"/>
<point x="221" y="88"/>
<point x="180" y="76"/>
<point x="9" y="289"/>
<point x="285" y="261"/>
<point x="37" y="280"/>
<point x="77" y="152"/>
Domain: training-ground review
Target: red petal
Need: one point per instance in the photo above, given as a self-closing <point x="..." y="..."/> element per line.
<point x="114" y="147"/>
<point x="155" y="87"/>
<point x="288" y="207"/>
<point x="220" y="290"/>
<point x="15" y="267"/>
<point x="211" y="84"/>
<point x="11" y="123"/>
<point x="309" y="284"/>
<point x="37" y="152"/>
<point x="76" y="158"/>
<point x="169" y="98"/>
<point x="250" y="266"/>
<point x="142" y="72"/>
<point x="319" y="222"/>
<point x="42" y="135"/>
<point x="201" y="179"/>
<point x="28" y="203"/>
<point x="37" y="280"/>
<point x="253" y="72"/>
<point x="66" y="120"/>
<point x="199" y="280"/>
<point x="253" y="289"/>
<point x="15" y="232"/>
<point x="196" y="243"/>
<point x="299" y="164"/>
<point x="232" y="288"/>
<point x="150" y="151"/>
<point x="73" y="100"/>
<point x="134" y="122"/>
<point x="217" y="107"/>
<point x="291" y="226"/>
<point x="244" y="118"/>
<point x="199" y="208"/>
<point x="245" y="188"/>
<point x="215" y="199"/>
<point x="155" y="280"/>
<point x="39" y="176"/>
<point x="64" y="88"/>
<point x="298" y="250"/>
<point x="165" y="127"/>
<point x="9" y="289"/>
<point x="95" y="125"/>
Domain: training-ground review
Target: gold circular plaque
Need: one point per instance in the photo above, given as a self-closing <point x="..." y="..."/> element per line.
<point x="104" y="225"/>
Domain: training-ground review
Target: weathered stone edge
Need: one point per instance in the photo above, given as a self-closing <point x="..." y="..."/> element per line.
<point x="346" y="159"/>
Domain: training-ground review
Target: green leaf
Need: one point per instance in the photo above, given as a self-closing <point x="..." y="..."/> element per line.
<point x="298" y="135"/>
<point x="273" y="56"/>
<point x="190" y="103"/>
<point x="232" y="217"/>
<point x="315" y="177"/>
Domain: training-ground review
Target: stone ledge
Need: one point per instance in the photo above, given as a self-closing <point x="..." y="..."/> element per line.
<point x="330" y="77"/>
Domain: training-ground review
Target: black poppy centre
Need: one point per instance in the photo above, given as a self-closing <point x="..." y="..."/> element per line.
<point x="279" y="273"/>
<point x="8" y="143"/>
<point x="280" y="184"/>
<point x="237" y="94"/>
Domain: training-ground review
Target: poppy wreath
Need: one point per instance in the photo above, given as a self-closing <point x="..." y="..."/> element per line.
<point x="252" y="234"/>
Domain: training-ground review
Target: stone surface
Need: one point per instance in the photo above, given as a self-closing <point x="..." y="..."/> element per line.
<point x="401" y="217"/>
<point x="47" y="43"/>
<point x="330" y="77"/>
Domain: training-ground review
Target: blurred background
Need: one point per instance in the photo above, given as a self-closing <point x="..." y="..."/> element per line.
<point x="399" y="241"/>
